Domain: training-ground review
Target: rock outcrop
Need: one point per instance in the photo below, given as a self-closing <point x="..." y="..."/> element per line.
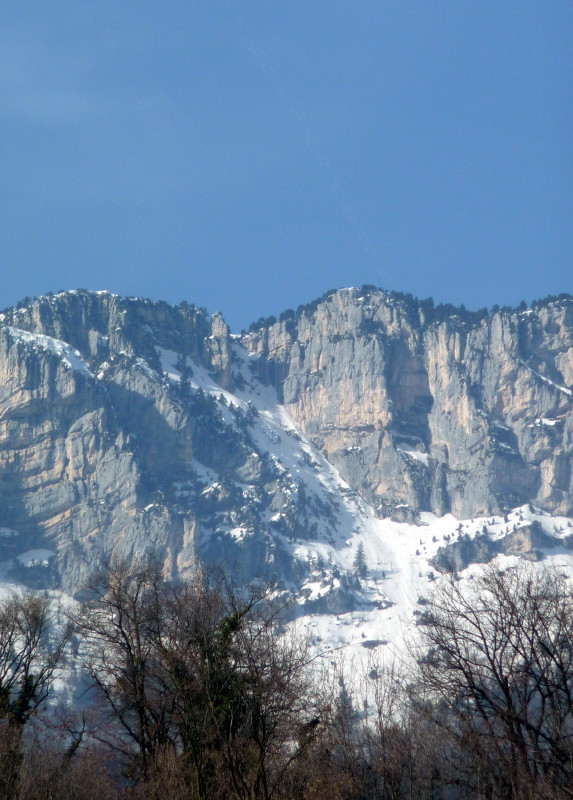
<point x="131" y="427"/>
<point x="529" y="542"/>
<point x="431" y="409"/>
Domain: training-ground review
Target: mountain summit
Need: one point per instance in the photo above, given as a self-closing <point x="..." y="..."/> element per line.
<point x="365" y="428"/>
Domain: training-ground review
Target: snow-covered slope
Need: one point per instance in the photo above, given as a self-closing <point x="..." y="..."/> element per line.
<point x="131" y="428"/>
<point x="341" y="609"/>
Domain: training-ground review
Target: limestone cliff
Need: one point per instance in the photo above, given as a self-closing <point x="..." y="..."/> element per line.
<point x="431" y="409"/>
<point x="131" y="427"/>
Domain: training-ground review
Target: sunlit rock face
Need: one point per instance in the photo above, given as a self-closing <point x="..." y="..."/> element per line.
<point x="431" y="409"/>
<point x="130" y="427"/>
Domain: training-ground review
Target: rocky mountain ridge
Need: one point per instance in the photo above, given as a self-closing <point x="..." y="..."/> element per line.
<point x="468" y="413"/>
<point x="133" y="427"/>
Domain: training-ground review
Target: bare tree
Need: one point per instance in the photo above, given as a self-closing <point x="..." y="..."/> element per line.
<point x="499" y="664"/>
<point x="197" y="672"/>
<point x="240" y="685"/>
<point x="119" y="627"/>
<point x="31" y="646"/>
<point x="64" y="773"/>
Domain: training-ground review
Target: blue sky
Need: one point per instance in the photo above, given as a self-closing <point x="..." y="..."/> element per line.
<point x="247" y="156"/>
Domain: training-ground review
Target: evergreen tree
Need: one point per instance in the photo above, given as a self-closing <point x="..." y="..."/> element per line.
<point x="359" y="564"/>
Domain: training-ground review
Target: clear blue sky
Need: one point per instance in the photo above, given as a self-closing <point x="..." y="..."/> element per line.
<point x="247" y="155"/>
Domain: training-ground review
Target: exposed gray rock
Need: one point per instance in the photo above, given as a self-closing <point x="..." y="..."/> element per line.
<point x="116" y="436"/>
<point x="428" y="410"/>
<point x="528" y="542"/>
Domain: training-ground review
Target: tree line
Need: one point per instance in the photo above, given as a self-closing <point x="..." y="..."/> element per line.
<point x="201" y="690"/>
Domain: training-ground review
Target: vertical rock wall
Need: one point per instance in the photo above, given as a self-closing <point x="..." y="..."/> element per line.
<point x="458" y="414"/>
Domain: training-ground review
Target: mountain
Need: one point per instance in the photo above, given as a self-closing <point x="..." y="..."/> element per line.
<point x="428" y="438"/>
<point x="444" y="412"/>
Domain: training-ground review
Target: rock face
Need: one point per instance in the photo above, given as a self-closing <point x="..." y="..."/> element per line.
<point x="431" y="409"/>
<point x="87" y="434"/>
<point x="118" y="437"/>
<point x="129" y="427"/>
<point x="529" y="542"/>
